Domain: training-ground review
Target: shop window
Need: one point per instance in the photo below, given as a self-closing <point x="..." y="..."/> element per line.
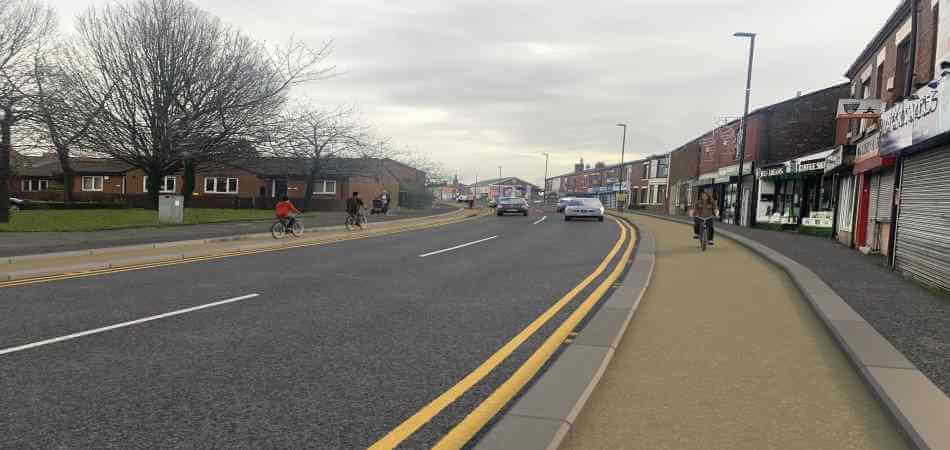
<point x="903" y="63"/>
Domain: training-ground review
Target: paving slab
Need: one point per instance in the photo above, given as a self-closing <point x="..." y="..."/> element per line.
<point x="868" y="346"/>
<point x="559" y="394"/>
<point x="524" y="433"/>
<point x="606" y="328"/>
<point x="925" y="411"/>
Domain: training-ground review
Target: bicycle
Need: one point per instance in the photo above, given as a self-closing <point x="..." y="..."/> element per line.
<point x="279" y="229"/>
<point x="358" y="219"/>
<point x="704" y="232"/>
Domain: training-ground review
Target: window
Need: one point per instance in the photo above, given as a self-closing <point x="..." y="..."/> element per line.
<point x="92" y="183"/>
<point x="643" y="195"/>
<point x="652" y="194"/>
<point x="903" y="63"/>
<point x="166" y="188"/>
<point x="661" y="193"/>
<point x="661" y="168"/>
<point x="865" y="93"/>
<point x="35" y="184"/>
<point x="646" y="170"/>
<point x="221" y="185"/>
<point x="324" y="187"/>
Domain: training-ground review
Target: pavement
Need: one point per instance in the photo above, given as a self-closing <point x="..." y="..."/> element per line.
<point x="29" y="243"/>
<point x="724" y="352"/>
<point x="915" y="320"/>
<point x="321" y="346"/>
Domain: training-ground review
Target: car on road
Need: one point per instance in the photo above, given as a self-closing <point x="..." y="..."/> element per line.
<point x="16" y="204"/>
<point x="563" y="203"/>
<point x="512" y="205"/>
<point x="584" y="208"/>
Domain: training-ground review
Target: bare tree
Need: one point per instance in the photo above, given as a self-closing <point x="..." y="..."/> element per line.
<point x="67" y="102"/>
<point x="186" y="88"/>
<point x="317" y="137"/>
<point x="25" y="27"/>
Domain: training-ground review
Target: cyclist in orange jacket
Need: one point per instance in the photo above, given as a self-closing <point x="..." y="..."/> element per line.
<point x="285" y="211"/>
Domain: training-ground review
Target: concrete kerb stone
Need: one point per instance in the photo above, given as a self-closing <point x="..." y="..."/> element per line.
<point x="549" y="407"/>
<point x="895" y="381"/>
<point x="106" y="250"/>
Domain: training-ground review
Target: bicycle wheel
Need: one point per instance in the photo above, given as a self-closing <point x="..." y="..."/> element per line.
<point x="703" y="236"/>
<point x="278" y="230"/>
<point x="297" y="229"/>
<point x="348" y="223"/>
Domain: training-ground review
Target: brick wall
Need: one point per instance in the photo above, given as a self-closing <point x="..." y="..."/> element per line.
<point x="799" y="126"/>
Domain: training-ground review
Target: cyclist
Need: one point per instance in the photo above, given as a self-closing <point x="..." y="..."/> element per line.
<point x="705" y="208"/>
<point x="284" y="212"/>
<point x="353" y="206"/>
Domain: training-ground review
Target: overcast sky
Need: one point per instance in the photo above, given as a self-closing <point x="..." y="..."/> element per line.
<point x="482" y="83"/>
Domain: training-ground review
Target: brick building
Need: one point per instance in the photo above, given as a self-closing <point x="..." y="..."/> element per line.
<point x="684" y="172"/>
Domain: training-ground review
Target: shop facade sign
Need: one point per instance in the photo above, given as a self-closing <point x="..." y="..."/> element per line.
<point x="842" y="156"/>
<point x="912" y="121"/>
<point x="811" y="165"/>
<point x="868" y="148"/>
<point x="868" y="108"/>
<point x="773" y="171"/>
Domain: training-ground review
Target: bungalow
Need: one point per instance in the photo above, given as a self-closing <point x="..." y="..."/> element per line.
<point x="252" y="183"/>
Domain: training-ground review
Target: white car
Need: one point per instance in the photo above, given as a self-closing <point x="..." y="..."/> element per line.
<point x="584" y="207"/>
<point x="562" y="203"/>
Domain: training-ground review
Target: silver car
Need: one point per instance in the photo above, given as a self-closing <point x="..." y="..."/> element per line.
<point x="562" y="203"/>
<point x="584" y="207"/>
<point x="512" y="205"/>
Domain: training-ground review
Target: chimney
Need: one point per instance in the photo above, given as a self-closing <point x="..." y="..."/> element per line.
<point x="799" y="94"/>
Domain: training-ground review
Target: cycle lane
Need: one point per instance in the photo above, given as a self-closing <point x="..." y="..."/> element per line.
<point x="725" y="353"/>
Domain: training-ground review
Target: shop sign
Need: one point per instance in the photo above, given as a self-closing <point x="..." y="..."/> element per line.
<point x="811" y="165"/>
<point x="912" y="121"/>
<point x="773" y="171"/>
<point x="868" y="148"/>
<point x="868" y="108"/>
<point x="840" y="157"/>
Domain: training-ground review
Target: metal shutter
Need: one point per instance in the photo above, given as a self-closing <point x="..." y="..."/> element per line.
<point x="886" y="196"/>
<point x="874" y="186"/>
<point x="923" y="224"/>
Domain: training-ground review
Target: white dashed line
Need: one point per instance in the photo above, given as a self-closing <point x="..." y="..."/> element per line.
<point x="540" y="220"/>
<point x="456" y="247"/>
<point x="123" y="324"/>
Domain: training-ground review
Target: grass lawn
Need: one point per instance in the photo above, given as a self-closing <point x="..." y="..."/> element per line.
<point x="106" y="219"/>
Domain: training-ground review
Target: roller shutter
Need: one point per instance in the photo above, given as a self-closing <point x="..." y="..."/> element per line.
<point x="922" y="249"/>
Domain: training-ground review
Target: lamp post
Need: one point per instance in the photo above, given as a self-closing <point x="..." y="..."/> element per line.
<point x="498" y="194"/>
<point x="623" y="148"/>
<point x="546" y="156"/>
<point x="744" y="124"/>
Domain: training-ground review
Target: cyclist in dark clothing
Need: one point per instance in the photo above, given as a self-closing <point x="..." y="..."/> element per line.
<point x="353" y="206"/>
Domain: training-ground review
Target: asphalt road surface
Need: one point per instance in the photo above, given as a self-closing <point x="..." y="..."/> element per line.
<point x="29" y="243"/>
<point x="341" y="343"/>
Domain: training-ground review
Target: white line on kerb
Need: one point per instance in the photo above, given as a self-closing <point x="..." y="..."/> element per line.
<point x="540" y="220"/>
<point x="456" y="247"/>
<point x="123" y="324"/>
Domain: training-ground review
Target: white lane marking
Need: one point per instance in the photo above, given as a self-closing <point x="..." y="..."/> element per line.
<point x="123" y="324"/>
<point x="540" y="220"/>
<point x="456" y="247"/>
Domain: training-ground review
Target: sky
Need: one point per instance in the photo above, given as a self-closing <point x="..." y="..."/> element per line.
<point x="479" y="84"/>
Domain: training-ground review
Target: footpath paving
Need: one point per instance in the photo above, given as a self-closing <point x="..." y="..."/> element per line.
<point x="30" y="243"/>
<point x="913" y="319"/>
<point x="724" y="352"/>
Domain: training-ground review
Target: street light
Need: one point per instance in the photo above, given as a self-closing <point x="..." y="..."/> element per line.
<point x="623" y="148"/>
<point x="745" y="118"/>
<point x="498" y="195"/>
<point x="546" y="156"/>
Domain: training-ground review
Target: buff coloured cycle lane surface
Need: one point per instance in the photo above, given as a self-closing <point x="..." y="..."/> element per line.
<point x="725" y="353"/>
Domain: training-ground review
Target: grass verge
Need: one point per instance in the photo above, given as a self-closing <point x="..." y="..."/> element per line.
<point x="111" y="219"/>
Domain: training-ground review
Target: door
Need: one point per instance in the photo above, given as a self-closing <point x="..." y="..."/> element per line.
<point x="922" y="249"/>
<point x="874" y="188"/>
<point x="280" y="187"/>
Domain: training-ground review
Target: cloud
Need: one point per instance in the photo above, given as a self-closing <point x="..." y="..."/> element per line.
<point x="477" y="84"/>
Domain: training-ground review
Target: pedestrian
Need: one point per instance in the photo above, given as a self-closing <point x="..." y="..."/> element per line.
<point x="384" y="196"/>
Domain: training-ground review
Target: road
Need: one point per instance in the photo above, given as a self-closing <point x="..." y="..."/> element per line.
<point x="328" y="346"/>
<point x="28" y="243"/>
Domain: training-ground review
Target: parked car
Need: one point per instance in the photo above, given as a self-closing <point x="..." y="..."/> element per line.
<point x="563" y="202"/>
<point x="584" y="207"/>
<point x="512" y="205"/>
<point x="16" y="204"/>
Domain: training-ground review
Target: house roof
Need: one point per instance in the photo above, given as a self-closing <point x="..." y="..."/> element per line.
<point x="300" y="167"/>
<point x="505" y="181"/>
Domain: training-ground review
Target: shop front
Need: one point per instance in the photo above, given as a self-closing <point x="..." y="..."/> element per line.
<point x="795" y="194"/>
<point x="874" y="176"/>
<point x="723" y="186"/>
<point x="838" y="168"/>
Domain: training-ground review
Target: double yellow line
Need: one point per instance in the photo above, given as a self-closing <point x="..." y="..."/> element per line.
<point x="483" y="413"/>
<point x="228" y="254"/>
